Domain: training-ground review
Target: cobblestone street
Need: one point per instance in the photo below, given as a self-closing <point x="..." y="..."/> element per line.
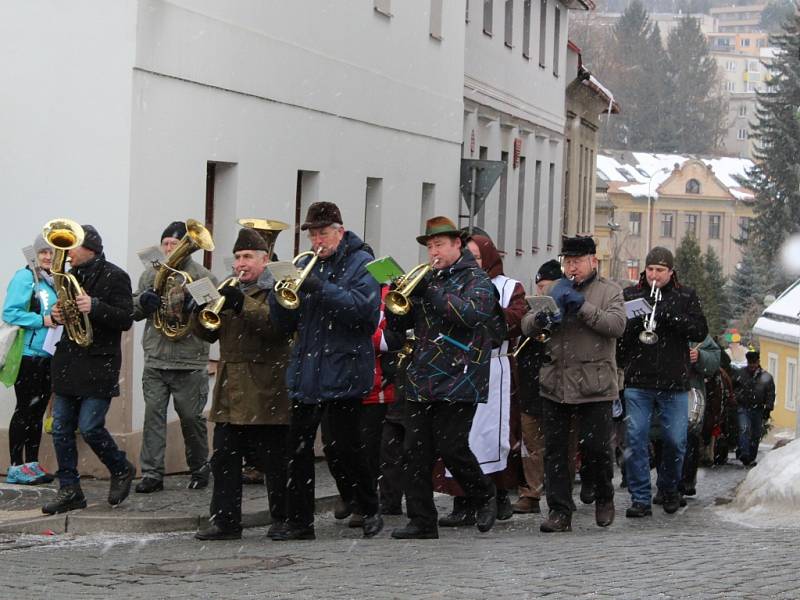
<point x="696" y="553"/>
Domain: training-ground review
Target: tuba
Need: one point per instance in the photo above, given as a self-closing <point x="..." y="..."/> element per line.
<point x="64" y="235"/>
<point x="397" y="300"/>
<point x="170" y="282"/>
<point x="287" y="290"/>
<point x="267" y="229"/>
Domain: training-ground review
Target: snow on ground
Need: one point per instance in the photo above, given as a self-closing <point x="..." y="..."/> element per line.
<point x="770" y="494"/>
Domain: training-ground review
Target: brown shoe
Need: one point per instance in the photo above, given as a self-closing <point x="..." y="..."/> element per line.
<point x="252" y="476"/>
<point x="556" y="523"/>
<point x="526" y="505"/>
<point x="604" y="512"/>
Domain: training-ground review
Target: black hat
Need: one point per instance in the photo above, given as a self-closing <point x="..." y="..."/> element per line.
<point x="249" y="239"/>
<point x="91" y="239"/>
<point x="549" y="271"/>
<point x="321" y="214"/>
<point x="660" y="256"/>
<point x="753" y="357"/>
<point x="176" y="229"/>
<point x="579" y="245"/>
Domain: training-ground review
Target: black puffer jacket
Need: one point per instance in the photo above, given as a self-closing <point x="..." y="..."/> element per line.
<point x="754" y="389"/>
<point x="679" y="321"/>
<point x="94" y="371"/>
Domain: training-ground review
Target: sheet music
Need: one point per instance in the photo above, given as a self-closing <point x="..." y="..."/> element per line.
<point x="203" y="291"/>
<point x="283" y="269"/>
<point x="52" y="338"/>
<point x="150" y="256"/>
<point x="637" y="308"/>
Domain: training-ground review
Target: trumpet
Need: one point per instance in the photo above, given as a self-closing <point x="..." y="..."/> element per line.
<point x="209" y="316"/>
<point x="397" y="301"/>
<point x="63" y="235"/>
<point x="649" y="335"/>
<point x="287" y="291"/>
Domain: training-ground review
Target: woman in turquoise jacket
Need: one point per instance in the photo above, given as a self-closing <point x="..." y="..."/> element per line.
<point x="29" y="301"/>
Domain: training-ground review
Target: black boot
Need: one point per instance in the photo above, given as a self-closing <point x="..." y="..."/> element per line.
<point x="486" y="514"/>
<point x="412" y="531"/>
<point x="70" y="497"/>
<point x="505" y="510"/>
<point x="148" y="485"/>
<point x="121" y="485"/>
<point x="214" y="532"/>
<point x="463" y="513"/>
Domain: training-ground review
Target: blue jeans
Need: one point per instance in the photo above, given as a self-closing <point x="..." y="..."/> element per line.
<point x="750" y="425"/>
<point x="89" y="416"/>
<point x="673" y="412"/>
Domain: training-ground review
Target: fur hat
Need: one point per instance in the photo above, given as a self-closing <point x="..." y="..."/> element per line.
<point x="660" y="256"/>
<point x="91" y="239"/>
<point x="249" y="239"/>
<point x="549" y="271"/>
<point x="440" y="226"/>
<point x="580" y="245"/>
<point x="322" y="214"/>
<point x="176" y="229"/>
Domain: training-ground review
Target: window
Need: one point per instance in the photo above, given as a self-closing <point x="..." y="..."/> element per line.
<point x="744" y="228"/>
<point x="746" y="43"/>
<point x="693" y="186"/>
<point x="730" y="86"/>
<point x="753" y="66"/>
<point x="741" y="134"/>
<point x="790" y="399"/>
<point x="537" y="204"/>
<point x="633" y="269"/>
<point x="551" y="204"/>
<point x="730" y="66"/>
<point x="666" y="225"/>
<point x="502" y="205"/>
<point x="306" y="193"/>
<point x="753" y="86"/>
<point x="772" y="365"/>
<point x="691" y="224"/>
<point x="542" y="32"/>
<point x="635" y="224"/>
<point x="556" y="41"/>
<point x="384" y="7"/>
<point x="488" y="9"/>
<point x="509" y="29"/>
<point x="714" y="222"/>
<point x="743" y="110"/>
<point x="526" y="28"/>
<point x="426" y="212"/>
<point x="520" y="204"/>
<point x="466" y="11"/>
<point x="436" y="19"/>
<point x="373" y="202"/>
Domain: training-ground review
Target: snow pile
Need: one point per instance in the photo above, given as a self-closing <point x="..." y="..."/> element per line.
<point x="770" y="494"/>
<point x="780" y="319"/>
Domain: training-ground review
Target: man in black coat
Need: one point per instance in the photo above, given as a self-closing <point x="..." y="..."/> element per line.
<point x="657" y="380"/>
<point x="754" y="389"/>
<point x="86" y="378"/>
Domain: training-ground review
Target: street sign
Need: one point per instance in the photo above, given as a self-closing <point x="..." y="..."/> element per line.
<point x="477" y="180"/>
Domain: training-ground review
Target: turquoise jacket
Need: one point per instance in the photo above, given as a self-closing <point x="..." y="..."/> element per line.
<point x="23" y="309"/>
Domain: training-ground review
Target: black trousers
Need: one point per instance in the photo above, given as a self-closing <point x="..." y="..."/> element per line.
<point x="32" y="389"/>
<point x="392" y="464"/>
<point x="691" y="461"/>
<point x="436" y="429"/>
<point x="594" y="443"/>
<point x="341" y="443"/>
<point x="231" y="443"/>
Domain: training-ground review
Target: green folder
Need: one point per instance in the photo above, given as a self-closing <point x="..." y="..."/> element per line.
<point x="384" y="269"/>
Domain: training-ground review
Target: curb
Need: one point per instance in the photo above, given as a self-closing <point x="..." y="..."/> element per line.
<point x="80" y="523"/>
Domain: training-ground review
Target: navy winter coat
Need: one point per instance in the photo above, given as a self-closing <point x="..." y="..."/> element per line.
<point x="332" y="357"/>
<point x="458" y="303"/>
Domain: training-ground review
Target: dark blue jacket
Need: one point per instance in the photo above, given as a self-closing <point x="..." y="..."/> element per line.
<point x="332" y="357"/>
<point x="458" y="303"/>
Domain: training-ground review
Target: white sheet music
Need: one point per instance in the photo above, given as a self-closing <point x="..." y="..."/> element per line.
<point x="283" y="269"/>
<point x="52" y="338"/>
<point x="150" y="255"/>
<point x="637" y="308"/>
<point x="203" y="290"/>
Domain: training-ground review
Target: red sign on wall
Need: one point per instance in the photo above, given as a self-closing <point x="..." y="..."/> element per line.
<point x="517" y="151"/>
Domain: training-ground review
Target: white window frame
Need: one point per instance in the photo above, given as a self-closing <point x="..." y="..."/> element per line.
<point x="773" y="360"/>
<point x="741" y="134"/>
<point x="790" y="395"/>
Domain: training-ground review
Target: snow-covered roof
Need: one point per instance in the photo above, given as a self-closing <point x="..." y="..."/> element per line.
<point x="646" y="171"/>
<point x="780" y="319"/>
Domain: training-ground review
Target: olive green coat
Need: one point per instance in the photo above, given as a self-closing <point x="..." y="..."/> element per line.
<point x="250" y="388"/>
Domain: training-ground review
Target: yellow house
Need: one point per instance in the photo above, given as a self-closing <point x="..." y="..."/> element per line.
<point x="656" y="199"/>
<point x="778" y="334"/>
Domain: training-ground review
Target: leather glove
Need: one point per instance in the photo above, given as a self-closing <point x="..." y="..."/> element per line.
<point x="149" y="301"/>
<point x="566" y="297"/>
<point x="558" y="291"/>
<point x="234" y="298"/>
<point x="311" y="284"/>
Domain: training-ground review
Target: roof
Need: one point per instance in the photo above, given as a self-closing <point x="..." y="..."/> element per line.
<point x="641" y="173"/>
<point x="779" y="320"/>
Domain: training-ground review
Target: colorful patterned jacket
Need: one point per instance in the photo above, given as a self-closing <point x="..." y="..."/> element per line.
<point x="450" y="361"/>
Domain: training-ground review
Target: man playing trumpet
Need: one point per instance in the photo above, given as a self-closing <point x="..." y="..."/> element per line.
<point x="447" y="377"/>
<point x="250" y="407"/>
<point x="332" y="367"/>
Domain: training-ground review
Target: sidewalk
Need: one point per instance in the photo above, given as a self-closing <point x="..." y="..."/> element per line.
<point x="174" y="509"/>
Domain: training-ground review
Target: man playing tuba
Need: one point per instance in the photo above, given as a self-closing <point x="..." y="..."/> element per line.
<point x="174" y="361"/>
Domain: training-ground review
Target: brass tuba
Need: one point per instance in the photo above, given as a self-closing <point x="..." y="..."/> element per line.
<point x="170" y="283"/>
<point x="287" y="291"/>
<point x="397" y="300"/>
<point x="64" y="235"/>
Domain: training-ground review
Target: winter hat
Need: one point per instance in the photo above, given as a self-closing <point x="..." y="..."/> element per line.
<point x="549" y="271"/>
<point x="322" y="214"/>
<point x="176" y="229"/>
<point x="440" y="226"/>
<point x="753" y="357"/>
<point x="660" y="256"/>
<point x="91" y="239"/>
<point x="249" y="239"/>
<point x="39" y="244"/>
<point x="580" y="245"/>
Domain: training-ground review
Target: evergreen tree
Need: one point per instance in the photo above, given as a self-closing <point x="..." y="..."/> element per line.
<point x="747" y="288"/>
<point x="718" y="309"/>
<point x="775" y="15"/>
<point x="690" y="265"/>
<point x="697" y="110"/>
<point x="775" y="178"/>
